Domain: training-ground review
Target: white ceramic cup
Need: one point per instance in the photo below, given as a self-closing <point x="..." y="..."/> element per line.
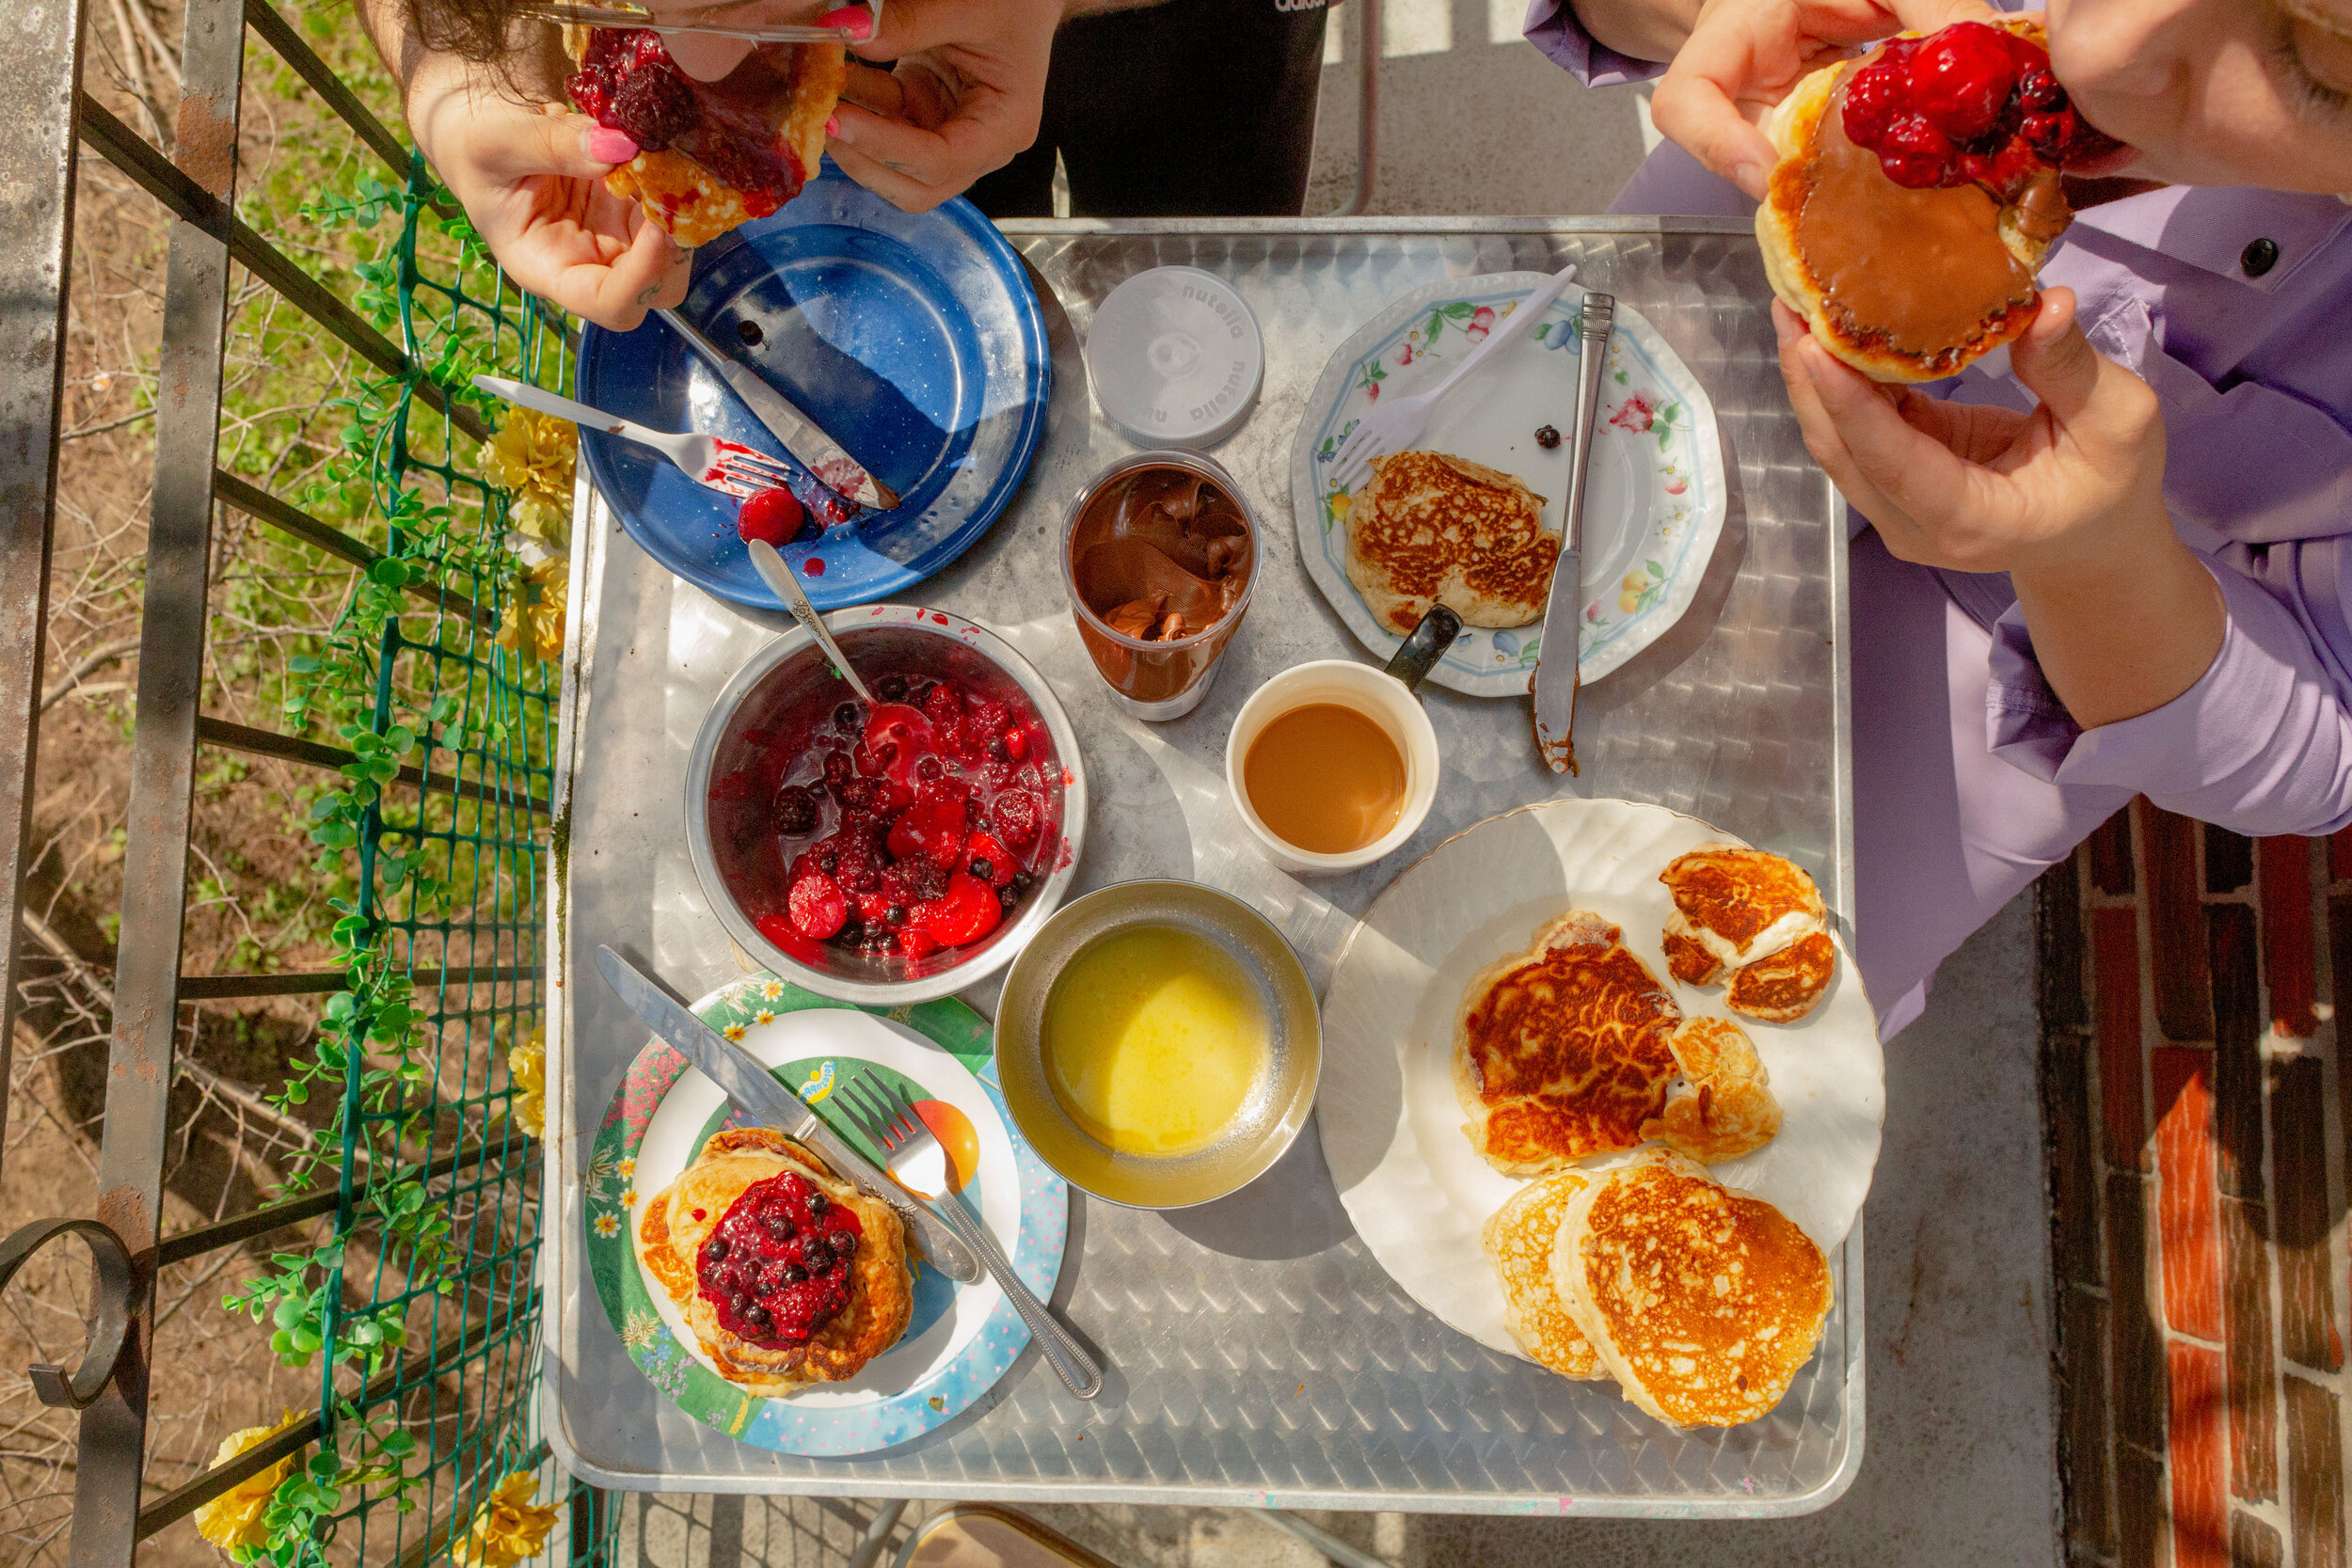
<point x="1387" y="699"/>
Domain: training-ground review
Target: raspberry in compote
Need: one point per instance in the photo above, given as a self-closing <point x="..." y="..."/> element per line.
<point x="775" y="1268"/>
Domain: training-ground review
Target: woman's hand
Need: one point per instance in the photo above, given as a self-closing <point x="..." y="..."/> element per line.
<point x="1744" y="55"/>
<point x="531" y="180"/>
<point x="965" y="97"/>
<point x="2068" y="500"/>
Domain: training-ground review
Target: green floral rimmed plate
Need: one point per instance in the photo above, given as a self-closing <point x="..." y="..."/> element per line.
<point x="959" y="1339"/>
<point x="1654" y="497"/>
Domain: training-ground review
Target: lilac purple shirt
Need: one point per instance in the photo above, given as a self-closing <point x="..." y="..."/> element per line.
<point x="2236" y="306"/>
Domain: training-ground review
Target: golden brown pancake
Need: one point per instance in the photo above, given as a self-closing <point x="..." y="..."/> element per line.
<point x="1739" y="904"/>
<point x="1563" y="1052"/>
<point x="1703" y="1301"/>
<point x="1519" y="1238"/>
<point x="1689" y="960"/>
<point x="678" y="1224"/>
<point x="1429" y="529"/>
<point x="1783" y="988"/>
<point x="1904" y="285"/>
<point x="1722" y="1107"/>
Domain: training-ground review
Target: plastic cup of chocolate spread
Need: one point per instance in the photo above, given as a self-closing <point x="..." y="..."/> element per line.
<point x="1159" y="556"/>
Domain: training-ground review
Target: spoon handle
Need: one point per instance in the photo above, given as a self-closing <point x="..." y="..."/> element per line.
<point x="779" y="576"/>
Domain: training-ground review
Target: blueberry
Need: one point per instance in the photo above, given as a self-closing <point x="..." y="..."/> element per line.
<point x="894" y="915"/>
<point x="740" y="1303"/>
<point x="1007" y="899"/>
<point x="716" y="1251"/>
<point x="844" y="1242"/>
<point x="781" y="1226"/>
<point x="828" y="863"/>
<point x="747" y="332"/>
<point x="1547" y="437"/>
<point x="847" y="720"/>
<point x="756" y="1316"/>
<point x="891" y="689"/>
<point x="815" y="1205"/>
<point x="793" y="1274"/>
<point x="983" y="868"/>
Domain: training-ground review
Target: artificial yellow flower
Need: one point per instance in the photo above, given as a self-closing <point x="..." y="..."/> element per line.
<point x="509" y="1527"/>
<point x="527" y="1072"/>
<point x="532" y="458"/>
<point x="533" y="624"/>
<point x="233" y="1519"/>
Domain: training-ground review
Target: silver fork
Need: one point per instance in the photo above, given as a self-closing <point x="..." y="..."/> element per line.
<point x="916" y="1158"/>
<point x="727" y="465"/>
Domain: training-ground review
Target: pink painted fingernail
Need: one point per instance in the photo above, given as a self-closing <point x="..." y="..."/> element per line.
<point x="856" y="21"/>
<point x="608" y="146"/>
<point x="832" y="125"/>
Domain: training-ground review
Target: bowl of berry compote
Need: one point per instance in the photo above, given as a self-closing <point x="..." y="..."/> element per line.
<point x="891" y="853"/>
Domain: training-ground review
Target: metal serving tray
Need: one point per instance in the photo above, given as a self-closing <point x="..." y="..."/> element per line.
<point x="1257" y="1355"/>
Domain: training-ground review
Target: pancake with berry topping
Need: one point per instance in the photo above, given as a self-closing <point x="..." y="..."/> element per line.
<point x="1563" y="1052"/>
<point x="1917" y="194"/>
<point x="787" y="1276"/>
<point x="710" y="156"/>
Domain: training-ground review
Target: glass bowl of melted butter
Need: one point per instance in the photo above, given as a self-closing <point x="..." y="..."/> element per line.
<point x="1158" y="1044"/>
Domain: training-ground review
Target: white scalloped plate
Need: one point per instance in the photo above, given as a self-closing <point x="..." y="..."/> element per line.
<point x="1654" y="500"/>
<point x="1391" y="1128"/>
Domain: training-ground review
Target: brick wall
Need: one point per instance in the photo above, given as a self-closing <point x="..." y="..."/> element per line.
<point x="2197" y="1167"/>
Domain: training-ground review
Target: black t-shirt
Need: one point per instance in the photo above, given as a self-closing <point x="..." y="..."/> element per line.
<point x="1191" y="108"/>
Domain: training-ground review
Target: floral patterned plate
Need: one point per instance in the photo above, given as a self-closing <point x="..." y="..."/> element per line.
<point x="1654" y="500"/>
<point x="959" y="1339"/>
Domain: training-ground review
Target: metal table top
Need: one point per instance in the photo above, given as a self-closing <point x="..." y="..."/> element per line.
<point x="1258" y="1354"/>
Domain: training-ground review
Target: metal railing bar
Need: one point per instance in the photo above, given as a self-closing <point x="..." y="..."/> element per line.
<point x="173" y="617"/>
<point x="193" y="1494"/>
<point x="260" y="1221"/>
<point x="37" y="213"/>
<point x="256" y="503"/>
<point x="131" y="152"/>
<point x="308" y="982"/>
<point x="287" y="748"/>
<point x="279" y="34"/>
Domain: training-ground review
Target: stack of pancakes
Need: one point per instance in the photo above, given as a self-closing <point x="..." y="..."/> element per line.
<point x="1701" y="1300"/>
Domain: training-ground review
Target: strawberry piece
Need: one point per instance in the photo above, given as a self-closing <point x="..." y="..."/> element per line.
<point x="1017" y="817"/>
<point x="1960" y="78"/>
<point x="964" y="913"/>
<point x="929" y="830"/>
<point x="817" y="906"/>
<point x="777" y="929"/>
<point x="774" y="516"/>
<point x="915" y="942"/>
<point x="982" y="850"/>
<point x="1016" y="743"/>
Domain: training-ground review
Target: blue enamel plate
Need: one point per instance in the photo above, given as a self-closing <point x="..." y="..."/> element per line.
<point x="913" y="337"/>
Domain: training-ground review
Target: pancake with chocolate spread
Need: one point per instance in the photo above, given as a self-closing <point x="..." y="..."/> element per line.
<point x="787" y="1276"/>
<point x="1908" y="283"/>
<point x="1427" y="529"/>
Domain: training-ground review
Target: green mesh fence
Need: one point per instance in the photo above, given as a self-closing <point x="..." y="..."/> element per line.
<point x="429" y="1354"/>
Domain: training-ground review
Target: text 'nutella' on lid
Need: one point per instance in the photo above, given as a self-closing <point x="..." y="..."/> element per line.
<point x="1175" y="357"/>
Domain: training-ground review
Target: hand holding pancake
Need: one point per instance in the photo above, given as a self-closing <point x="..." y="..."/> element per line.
<point x="965" y="96"/>
<point x="534" y="185"/>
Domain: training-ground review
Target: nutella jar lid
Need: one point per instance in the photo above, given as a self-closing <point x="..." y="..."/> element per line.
<point x="1175" y="357"/>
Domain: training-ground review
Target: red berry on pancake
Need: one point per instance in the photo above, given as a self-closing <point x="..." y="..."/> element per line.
<point x="1961" y="79"/>
<point x="1875" y="96"/>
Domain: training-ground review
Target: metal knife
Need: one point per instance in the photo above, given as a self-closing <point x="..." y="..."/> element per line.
<point x="808" y="445"/>
<point x="751" y="1085"/>
<point x="1554" y="683"/>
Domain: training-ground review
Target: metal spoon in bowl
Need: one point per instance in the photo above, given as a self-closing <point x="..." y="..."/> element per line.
<point x="779" y="576"/>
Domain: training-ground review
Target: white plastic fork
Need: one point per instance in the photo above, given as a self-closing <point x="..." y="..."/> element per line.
<point x="1392" y="427"/>
<point x="916" y="1158"/>
<point x="725" y="465"/>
